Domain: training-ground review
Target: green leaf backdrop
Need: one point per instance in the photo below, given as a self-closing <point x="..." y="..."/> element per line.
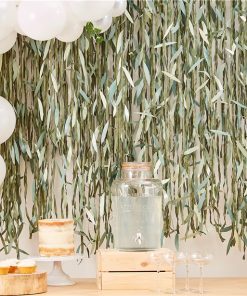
<point x="166" y="84"/>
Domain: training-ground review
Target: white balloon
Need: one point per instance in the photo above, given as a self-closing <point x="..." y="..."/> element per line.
<point x="91" y="10"/>
<point x="19" y="30"/>
<point x="7" y="120"/>
<point x="7" y="43"/>
<point x="73" y="28"/>
<point x="119" y="7"/>
<point x="17" y="27"/>
<point x="7" y="18"/>
<point x="71" y="33"/>
<point x="103" y="24"/>
<point x="2" y="170"/>
<point x="41" y="20"/>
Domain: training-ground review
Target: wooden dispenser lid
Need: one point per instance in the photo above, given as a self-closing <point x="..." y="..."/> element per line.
<point x="137" y="166"/>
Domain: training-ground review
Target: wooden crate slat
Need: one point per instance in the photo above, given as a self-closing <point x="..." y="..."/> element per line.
<point x="113" y="260"/>
<point x="136" y="280"/>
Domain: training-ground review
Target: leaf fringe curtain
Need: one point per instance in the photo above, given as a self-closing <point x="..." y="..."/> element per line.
<point x="166" y="84"/>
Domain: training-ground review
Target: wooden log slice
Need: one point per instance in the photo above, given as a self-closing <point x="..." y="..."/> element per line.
<point x="23" y="284"/>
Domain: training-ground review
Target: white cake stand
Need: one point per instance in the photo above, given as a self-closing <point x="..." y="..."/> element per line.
<point x="57" y="277"/>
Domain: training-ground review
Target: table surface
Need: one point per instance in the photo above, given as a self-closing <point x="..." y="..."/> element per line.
<point x="213" y="287"/>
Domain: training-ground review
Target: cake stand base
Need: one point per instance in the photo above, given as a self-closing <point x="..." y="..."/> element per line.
<point x="57" y="277"/>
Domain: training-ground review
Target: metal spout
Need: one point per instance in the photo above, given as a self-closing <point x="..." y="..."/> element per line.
<point x="138" y="238"/>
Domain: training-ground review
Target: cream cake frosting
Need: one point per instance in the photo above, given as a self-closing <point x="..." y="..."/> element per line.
<point x="12" y="262"/>
<point x="4" y="264"/>
<point x="56" y="237"/>
<point x="27" y="263"/>
<point x="26" y="266"/>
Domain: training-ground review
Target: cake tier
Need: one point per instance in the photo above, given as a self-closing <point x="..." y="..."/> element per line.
<point x="50" y="252"/>
<point x="56" y="222"/>
<point x="56" y="237"/>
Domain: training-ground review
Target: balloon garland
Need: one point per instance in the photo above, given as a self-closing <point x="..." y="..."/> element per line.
<point x="7" y="126"/>
<point x="44" y="20"/>
<point x="2" y="170"/>
<point x="64" y="20"/>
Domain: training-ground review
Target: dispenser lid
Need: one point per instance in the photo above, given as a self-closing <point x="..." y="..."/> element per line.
<point x="137" y="166"/>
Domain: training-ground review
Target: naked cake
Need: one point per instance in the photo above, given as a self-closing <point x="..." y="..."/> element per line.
<point x="56" y="237"/>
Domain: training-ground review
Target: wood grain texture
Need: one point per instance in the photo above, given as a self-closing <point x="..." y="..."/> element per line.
<point x="214" y="287"/>
<point x="23" y="284"/>
<point x="131" y="271"/>
<point x="137" y="281"/>
<point x="113" y="260"/>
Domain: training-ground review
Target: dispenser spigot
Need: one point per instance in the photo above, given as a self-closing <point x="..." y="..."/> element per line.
<point x="138" y="238"/>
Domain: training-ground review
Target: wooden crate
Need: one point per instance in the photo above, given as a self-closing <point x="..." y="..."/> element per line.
<point x="131" y="271"/>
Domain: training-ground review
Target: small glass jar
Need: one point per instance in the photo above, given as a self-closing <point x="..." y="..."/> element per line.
<point x="137" y="208"/>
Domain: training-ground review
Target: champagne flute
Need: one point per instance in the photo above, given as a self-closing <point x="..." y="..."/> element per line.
<point x="156" y="258"/>
<point x="170" y="260"/>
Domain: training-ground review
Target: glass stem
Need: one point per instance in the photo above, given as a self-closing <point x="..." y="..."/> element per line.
<point x="158" y="281"/>
<point x="187" y="284"/>
<point x="174" y="278"/>
<point x="201" y="280"/>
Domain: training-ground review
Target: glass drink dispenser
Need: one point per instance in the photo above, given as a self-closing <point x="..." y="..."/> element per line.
<point x="137" y="208"/>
